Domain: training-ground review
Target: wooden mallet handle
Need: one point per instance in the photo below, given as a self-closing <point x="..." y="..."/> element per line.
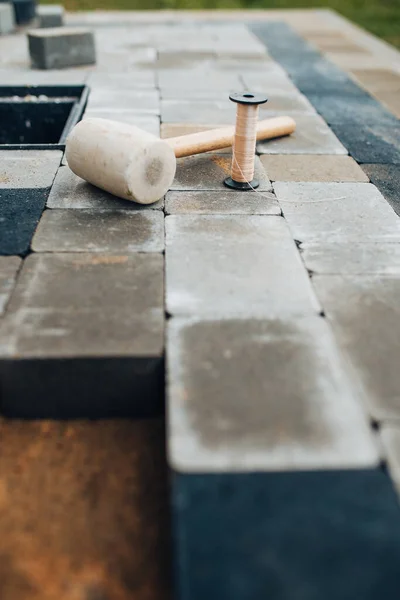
<point x="216" y="139"/>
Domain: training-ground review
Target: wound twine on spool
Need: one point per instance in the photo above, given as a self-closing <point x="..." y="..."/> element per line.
<point x="244" y="143"/>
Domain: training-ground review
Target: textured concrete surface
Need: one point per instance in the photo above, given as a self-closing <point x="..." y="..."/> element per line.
<point x="105" y="231"/>
<point x="9" y="267"/>
<point x="249" y="395"/>
<point x="28" y="168"/>
<point x="355" y="258"/>
<point x="290" y="167"/>
<point x="222" y="202"/>
<point x="214" y="266"/>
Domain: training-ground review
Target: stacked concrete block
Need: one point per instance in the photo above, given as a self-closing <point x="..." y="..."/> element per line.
<point x="56" y="48"/>
<point x="7" y="18"/>
<point x="51" y="15"/>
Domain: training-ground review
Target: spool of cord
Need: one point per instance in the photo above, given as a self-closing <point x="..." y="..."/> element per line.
<point x="244" y="143"/>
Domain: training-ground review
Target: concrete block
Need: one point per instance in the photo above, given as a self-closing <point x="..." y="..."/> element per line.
<point x="356" y="258"/>
<point x="7" y="18"/>
<point x="375" y="144"/>
<point x="96" y="230"/>
<point x="313" y="168"/>
<point x="70" y="191"/>
<point x="88" y="475"/>
<point x="56" y="48"/>
<point x="337" y="212"/>
<point x="9" y="267"/>
<point x="365" y="314"/>
<point x="208" y="172"/>
<point x="312" y="136"/>
<point x="51" y="15"/>
<point x="76" y="325"/>
<point x="387" y="180"/>
<point x="235" y="266"/>
<point x="354" y="110"/>
<point x="140" y="101"/>
<point x="286" y="535"/>
<point x="28" y="168"/>
<point x="268" y="363"/>
<point x="223" y="202"/>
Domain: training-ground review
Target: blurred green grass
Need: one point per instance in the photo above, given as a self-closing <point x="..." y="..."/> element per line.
<point x="381" y="17"/>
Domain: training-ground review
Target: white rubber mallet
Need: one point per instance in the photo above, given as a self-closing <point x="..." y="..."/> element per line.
<point x="133" y="164"/>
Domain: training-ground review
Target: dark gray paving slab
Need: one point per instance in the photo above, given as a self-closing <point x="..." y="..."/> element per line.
<point x="28" y="168"/>
<point x="390" y="437"/>
<point x="223" y="202"/>
<point x="234" y="266"/>
<point x="208" y="172"/>
<point x="83" y="337"/>
<point x="87" y="230"/>
<point x="249" y="395"/>
<point x="9" y="267"/>
<point x="387" y="180"/>
<point x="243" y="536"/>
<point x="70" y="191"/>
<point x="364" y="311"/>
<point x="312" y="136"/>
<point x="352" y="258"/>
<point x="338" y="212"/>
<point x="20" y="211"/>
<point x="351" y="109"/>
<point x="367" y="144"/>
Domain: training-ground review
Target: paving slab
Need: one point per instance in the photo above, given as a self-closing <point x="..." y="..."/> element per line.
<point x="353" y="110"/>
<point x="9" y="267"/>
<point x="391" y="101"/>
<point x="234" y="266"/>
<point x="355" y="258"/>
<point x="201" y="78"/>
<point x="313" y="168"/>
<point x="92" y="481"/>
<point x="269" y="78"/>
<point x="312" y="136"/>
<point x="377" y="79"/>
<point x="20" y="211"/>
<point x="223" y="202"/>
<point x="143" y="101"/>
<point x="299" y="413"/>
<point x="7" y="18"/>
<point x="96" y="230"/>
<point x="50" y="16"/>
<point x="58" y="48"/>
<point x="199" y="112"/>
<point x="364" y="311"/>
<point x="387" y="180"/>
<point x="337" y="212"/>
<point x="149" y="123"/>
<point x="123" y="81"/>
<point x="367" y="144"/>
<point x="285" y="102"/>
<point x="75" y="325"/>
<point x="70" y="191"/>
<point x="255" y="547"/>
<point x="28" y="168"/>
<point x="208" y="172"/>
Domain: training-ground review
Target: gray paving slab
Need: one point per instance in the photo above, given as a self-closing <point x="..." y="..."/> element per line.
<point x="235" y="266"/>
<point x="70" y="191"/>
<point x="7" y="18"/>
<point x="208" y="171"/>
<point x="134" y="79"/>
<point x="337" y="212"/>
<point x="201" y="112"/>
<point x="268" y="78"/>
<point x="312" y="167"/>
<point x="223" y="202"/>
<point x="150" y="123"/>
<point x="312" y="136"/>
<point x="285" y="102"/>
<point x="28" y="168"/>
<point x="9" y="267"/>
<point x="201" y="78"/>
<point x="58" y="48"/>
<point x="352" y="258"/>
<point x="365" y="314"/>
<point x="261" y="395"/>
<point x="86" y="305"/>
<point x="88" y="230"/>
<point x="50" y="16"/>
<point x="28" y="76"/>
<point x="143" y="101"/>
